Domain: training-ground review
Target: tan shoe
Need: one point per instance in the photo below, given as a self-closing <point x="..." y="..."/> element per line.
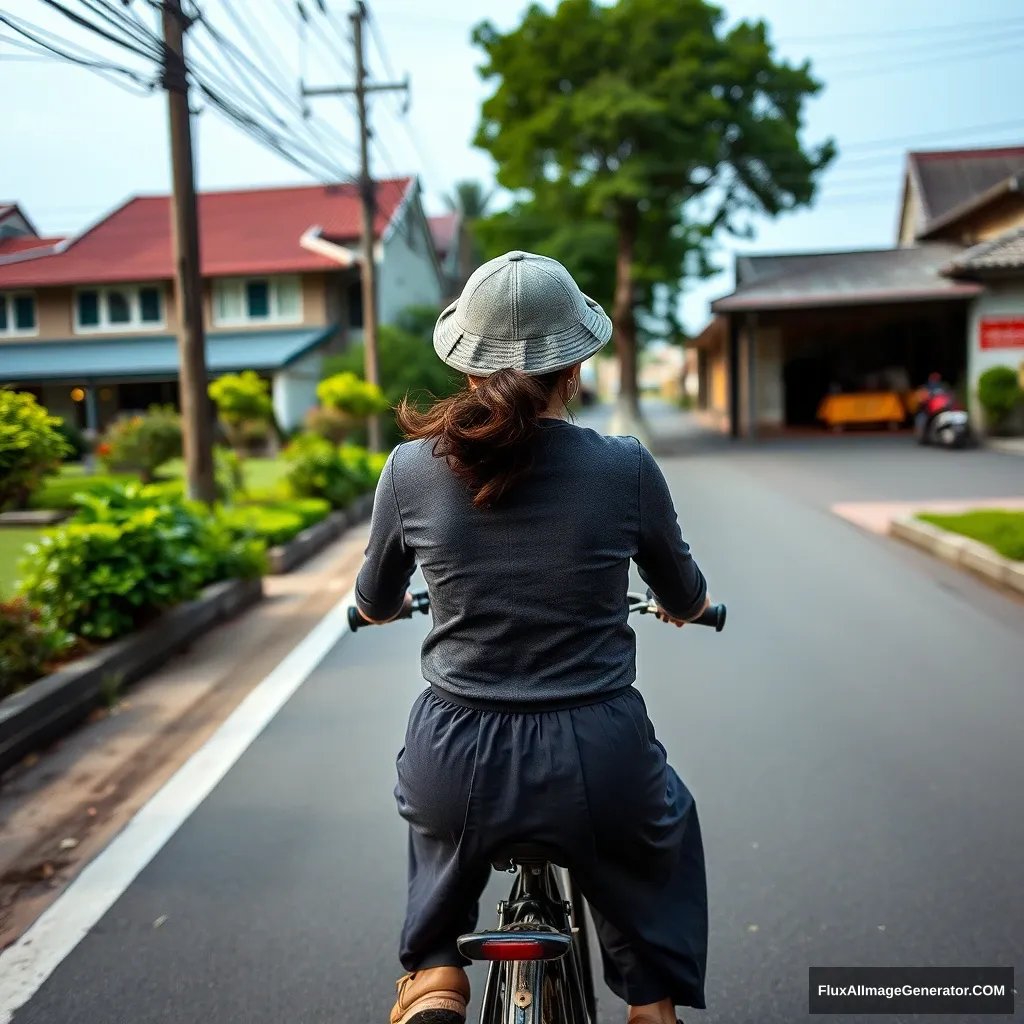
<point x="437" y="995"/>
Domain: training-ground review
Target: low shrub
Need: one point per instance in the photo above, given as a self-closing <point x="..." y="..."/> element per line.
<point x="30" y="641"/>
<point x="347" y="393"/>
<point x="31" y="447"/>
<point x="129" y="554"/>
<point x="142" y="443"/>
<point x="318" y="471"/>
<point x="330" y="424"/>
<point x="244" y="407"/>
<point x="999" y="391"/>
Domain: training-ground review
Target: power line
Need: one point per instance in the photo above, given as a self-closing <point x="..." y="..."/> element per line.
<point x="325" y="41"/>
<point x="845" y="37"/>
<point x="95" y="62"/>
<point x="1013" y="47"/>
<point x="99" y="30"/>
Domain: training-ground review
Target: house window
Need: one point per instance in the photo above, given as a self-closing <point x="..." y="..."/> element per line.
<point x="355" y="305"/>
<point x="119" y="308"/>
<point x="257" y="300"/>
<point x="17" y="314"/>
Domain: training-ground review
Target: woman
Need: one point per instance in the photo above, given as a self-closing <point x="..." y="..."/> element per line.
<point x="524" y="527"/>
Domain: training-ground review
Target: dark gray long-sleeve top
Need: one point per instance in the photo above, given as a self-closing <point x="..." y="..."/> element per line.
<point x="528" y="599"/>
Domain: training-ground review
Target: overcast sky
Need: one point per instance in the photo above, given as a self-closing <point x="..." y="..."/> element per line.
<point x="926" y="74"/>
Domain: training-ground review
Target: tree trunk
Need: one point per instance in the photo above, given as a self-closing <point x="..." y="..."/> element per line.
<point x="627" y="419"/>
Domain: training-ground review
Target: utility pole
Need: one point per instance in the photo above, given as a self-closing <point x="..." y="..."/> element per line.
<point x="197" y="428"/>
<point x="367" y="195"/>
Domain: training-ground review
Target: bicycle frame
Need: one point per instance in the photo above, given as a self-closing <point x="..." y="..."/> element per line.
<point x="559" y="987"/>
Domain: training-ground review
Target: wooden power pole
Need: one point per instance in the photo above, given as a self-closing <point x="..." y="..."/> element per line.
<point x="192" y="382"/>
<point x="367" y="195"/>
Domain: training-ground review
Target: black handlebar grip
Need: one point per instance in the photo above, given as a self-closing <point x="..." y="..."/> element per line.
<point x="355" y="620"/>
<point x="713" y="616"/>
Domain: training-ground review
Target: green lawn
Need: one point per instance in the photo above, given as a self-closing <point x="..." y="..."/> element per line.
<point x="12" y="546"/>
<point x="999" y="529"/>
<point x="264" y="480"/>
<point x="58" y="490"/>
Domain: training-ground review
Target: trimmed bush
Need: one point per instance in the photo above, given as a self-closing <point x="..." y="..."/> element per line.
<point x="245" y="409"/>
<point x="330" y="424"/>
<point x="318" y="471"/>
<point x="31" y="447"/>
<point x="408" y="366"/>
<point x="142" y="443"/>
<point x="129" y="554"/>
<point x="347" y="393"/>
<point x="999" y="392"/>
<point x="29" y="642"/>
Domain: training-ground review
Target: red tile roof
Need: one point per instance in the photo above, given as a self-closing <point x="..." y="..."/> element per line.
<point x="444" y="228"/>
<point x="22" y="243"/>
<point x="257" y="231"/>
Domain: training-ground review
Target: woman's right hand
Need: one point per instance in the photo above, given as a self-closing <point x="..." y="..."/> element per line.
<point x="664" y="616"/>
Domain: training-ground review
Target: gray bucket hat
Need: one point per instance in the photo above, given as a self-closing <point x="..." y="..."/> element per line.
<point x="520" y="311"/>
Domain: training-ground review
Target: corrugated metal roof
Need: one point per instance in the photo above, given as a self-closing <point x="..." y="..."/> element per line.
<point x="151" y="356"/>
<point x="863" y="277"/>
<point x="257" y="231"/>
<point x="953" y="178"/>
<point x="1006" y="252"/>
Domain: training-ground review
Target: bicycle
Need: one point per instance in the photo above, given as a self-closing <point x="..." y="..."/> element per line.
<point x="540" y="966"/>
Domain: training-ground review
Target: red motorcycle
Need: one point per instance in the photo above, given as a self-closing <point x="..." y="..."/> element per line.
<point x="942" y="421"/>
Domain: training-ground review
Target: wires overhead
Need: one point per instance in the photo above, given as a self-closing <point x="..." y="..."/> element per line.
<point x="234" y="66"/>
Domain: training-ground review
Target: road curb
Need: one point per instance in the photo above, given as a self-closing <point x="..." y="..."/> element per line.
<point x="968" y="554"/>
<point x="52" y="706"/>
<point x="285" y="557"/>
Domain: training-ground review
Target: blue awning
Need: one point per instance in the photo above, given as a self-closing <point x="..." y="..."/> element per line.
<point x="142" y="357"/>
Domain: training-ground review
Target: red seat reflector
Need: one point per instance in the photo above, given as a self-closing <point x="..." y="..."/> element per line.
<point x="514" y="949"/>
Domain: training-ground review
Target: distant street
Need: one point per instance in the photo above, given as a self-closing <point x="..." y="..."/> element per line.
<point x="853" y="740"/>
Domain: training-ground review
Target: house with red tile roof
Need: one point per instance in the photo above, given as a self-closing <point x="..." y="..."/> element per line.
<point x="947" y="298"/>
<point x="90" y="322"/>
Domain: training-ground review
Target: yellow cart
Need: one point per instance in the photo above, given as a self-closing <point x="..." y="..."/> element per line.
<point x="863" y="408"/>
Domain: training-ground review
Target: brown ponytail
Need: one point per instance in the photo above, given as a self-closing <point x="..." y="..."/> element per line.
<point x="488" y="433"/>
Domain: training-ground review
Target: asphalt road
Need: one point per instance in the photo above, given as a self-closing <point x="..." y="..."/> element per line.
<point x="853" y="739"/>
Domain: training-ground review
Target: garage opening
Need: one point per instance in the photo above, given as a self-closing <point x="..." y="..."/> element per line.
<point x="885" y="348"/>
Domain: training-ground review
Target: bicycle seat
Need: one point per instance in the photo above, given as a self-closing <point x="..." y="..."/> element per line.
<point x="512" y="854"/>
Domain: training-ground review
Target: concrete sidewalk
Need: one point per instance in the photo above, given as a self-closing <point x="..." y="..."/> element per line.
<point x="1007" y="445"/>
<point x="878" y="516"/>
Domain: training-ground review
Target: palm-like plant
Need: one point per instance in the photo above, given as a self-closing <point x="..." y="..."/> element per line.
<point x="469" y="200"/>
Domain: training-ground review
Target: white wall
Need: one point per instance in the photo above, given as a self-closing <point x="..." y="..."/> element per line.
<point x="294" y="390"/>
<point x="1001" y="298"/>
<point x="407" y="274"/>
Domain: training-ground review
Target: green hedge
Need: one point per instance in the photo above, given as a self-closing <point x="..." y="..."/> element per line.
<point x="128" y="555"/>
<point x="30" y="640"/>
<point x="319" y="469"/>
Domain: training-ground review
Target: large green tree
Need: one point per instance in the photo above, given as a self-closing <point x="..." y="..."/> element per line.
<point x="652" y="125"/>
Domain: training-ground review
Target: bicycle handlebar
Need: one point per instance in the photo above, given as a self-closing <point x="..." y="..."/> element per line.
<point x="640" y="603"/>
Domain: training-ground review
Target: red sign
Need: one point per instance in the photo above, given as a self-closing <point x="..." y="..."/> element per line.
<point x="1002" y="332"/>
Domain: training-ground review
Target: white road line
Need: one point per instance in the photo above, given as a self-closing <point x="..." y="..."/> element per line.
<point x="26" y="965"/>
